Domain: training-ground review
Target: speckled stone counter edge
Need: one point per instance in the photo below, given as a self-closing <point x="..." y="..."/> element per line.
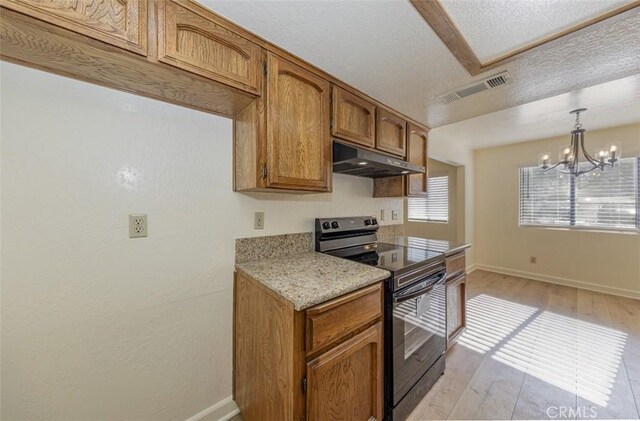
<point x="272" y="246"/>
<point x="311" y="278"/>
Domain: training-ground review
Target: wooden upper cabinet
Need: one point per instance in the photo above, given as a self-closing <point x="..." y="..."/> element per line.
<point x="191" y="38"/>
<point x="417" y="154"/>
<point x="122" y="23"/>
<point x="391" y="132"/>
<point x="297" y="123"/>
<point x="353" y="118"/>
<point x="345" y="383"/>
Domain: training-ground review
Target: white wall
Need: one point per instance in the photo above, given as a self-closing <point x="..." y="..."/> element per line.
<point x="603" y="261"/>
<point x="97" y="325"/>
<point x="441" y="230"/>
<point x="452" y="150"/>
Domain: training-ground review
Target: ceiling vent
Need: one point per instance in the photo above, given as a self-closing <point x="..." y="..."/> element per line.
<point x="479" y="86"/>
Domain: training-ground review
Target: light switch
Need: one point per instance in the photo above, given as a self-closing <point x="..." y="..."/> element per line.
<point x="394" y="214"/>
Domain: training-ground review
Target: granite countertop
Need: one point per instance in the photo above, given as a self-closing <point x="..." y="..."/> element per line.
<point x="444" y="246"/>
<point x="311" y="278"/>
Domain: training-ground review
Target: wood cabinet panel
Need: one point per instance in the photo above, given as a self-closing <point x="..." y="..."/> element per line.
<point x="122" y="23"/>
<point x="192" y="39"/>
<point x="417" y="153"/>
<point x="391" y="132"/>
<point x="456" y="264"/>
<point x="456" y="308"/>
<point x="353" y="118"/>
<point x="268" y="348"/>
<point x="298" y="138"/>
<point x="345" y="383"/>
<point x="331" y="321"/>
<point x="44" y="46"/>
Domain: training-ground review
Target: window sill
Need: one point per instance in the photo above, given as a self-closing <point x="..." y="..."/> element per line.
<point x="582" y="229"/>
<point x="428" y="221"/>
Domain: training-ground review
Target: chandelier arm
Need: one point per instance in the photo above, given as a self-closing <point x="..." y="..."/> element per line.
<point x="554" y="167"/>
<point x="586" y="154"/>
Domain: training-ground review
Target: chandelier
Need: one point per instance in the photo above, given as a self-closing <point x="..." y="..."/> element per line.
<point x="569" y="159"/>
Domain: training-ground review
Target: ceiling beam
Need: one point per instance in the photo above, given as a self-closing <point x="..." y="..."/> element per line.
<point x="434" y="14"/>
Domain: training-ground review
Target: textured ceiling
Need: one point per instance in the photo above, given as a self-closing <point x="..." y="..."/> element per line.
<point x="610" y="104"/>
<point x="488" y="25"/>
<point x="387" y="50"/>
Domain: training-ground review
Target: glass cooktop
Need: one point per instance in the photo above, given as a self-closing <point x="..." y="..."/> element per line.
<point x="391" y="257"/>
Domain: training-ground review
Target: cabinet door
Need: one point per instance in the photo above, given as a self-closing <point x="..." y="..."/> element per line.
<point x="417" y="154"/>
<point x="346" y="382"/>
<point x="122" y="23"/>
<point x="298" y="138"/>
<point x="390" y="133"/>
<point x="456" y="308"/>
<point x="193" y="39"/>
<point x="353" y="118"/>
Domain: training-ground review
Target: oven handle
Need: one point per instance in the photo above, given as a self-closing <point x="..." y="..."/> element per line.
<point x="398" y="298"/>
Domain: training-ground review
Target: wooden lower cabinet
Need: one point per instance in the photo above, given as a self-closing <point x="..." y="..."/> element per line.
<point x="345" y="383"/>
<point x="277" y="376"/>
<point x="456" y="297"/>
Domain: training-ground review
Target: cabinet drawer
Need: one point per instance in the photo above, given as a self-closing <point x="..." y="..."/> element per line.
<point x="193" y="39"/>
<point x="455" y="265"/>
<point x="328" y="322"/>
<point x="122" y="23"/>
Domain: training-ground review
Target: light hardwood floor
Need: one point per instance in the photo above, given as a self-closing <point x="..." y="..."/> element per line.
<point x="534" y="350"/>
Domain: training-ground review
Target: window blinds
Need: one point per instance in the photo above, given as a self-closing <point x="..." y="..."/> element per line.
<point x="434" y="207"/>
<point x="606" y="199"/>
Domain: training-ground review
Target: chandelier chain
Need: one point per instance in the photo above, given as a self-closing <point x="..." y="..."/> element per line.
<point x="578" y="125"/>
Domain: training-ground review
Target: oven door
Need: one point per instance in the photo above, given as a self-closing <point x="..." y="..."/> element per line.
<point x="419" y="331"/>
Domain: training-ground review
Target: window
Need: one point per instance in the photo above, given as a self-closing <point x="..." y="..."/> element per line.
<point x="434" y="207"/>
<point x="608" y="199"/>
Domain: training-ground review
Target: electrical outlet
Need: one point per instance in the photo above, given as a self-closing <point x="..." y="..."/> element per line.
<point x="383" y="215"/>
<point x="533" y="259"/>
<point x="258" y="221"/>
<point x="394" y="214"/>
<point x="138" y="226"/>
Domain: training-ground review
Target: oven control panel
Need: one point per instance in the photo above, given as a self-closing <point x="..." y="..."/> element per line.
<point x="327" y="225"/>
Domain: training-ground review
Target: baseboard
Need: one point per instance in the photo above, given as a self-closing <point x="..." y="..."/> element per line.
<point x="622" y="292"/>
<point x="221" y="411"/>
<point x="471" y="268"/>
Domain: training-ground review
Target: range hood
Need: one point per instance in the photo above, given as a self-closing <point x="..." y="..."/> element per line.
<point x="352" y="160"/>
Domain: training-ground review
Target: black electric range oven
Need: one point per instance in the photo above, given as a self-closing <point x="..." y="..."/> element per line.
<point x="415" y="306"/>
